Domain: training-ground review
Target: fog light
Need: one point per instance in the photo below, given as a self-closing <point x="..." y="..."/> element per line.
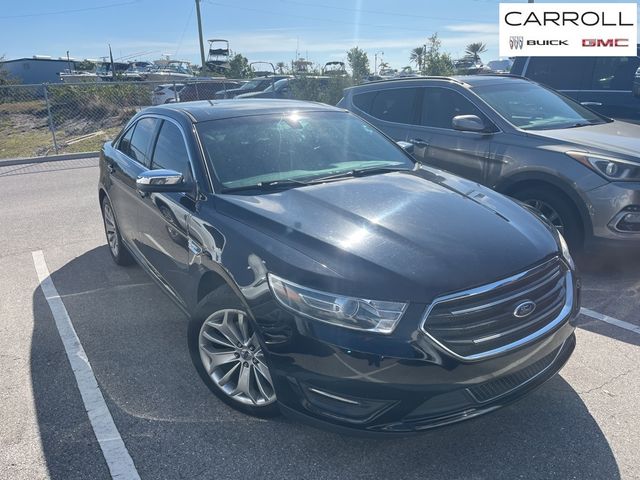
<point x="629" y="220"/>
<point x="632" y="218"/>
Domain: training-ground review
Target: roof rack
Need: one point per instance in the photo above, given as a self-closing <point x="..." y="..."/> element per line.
<point x="422" y="77"/>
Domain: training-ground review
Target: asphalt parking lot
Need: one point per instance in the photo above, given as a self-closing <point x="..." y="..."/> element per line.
<point x="584" y="423"/>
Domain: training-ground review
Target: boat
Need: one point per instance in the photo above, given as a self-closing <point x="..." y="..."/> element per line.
<point x="166" y="70"/>
<point x="77" y="76"/>
<point x="334" y="69"/>
<point x="219" y="56"/>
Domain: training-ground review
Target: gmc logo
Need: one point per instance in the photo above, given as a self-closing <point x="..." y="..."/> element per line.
<point x="601" y="42"/>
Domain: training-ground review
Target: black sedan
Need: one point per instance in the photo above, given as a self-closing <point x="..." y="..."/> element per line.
<point x="328" y="275"/>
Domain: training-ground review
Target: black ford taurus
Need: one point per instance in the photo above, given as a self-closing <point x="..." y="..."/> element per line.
<point x="328" y="275"/>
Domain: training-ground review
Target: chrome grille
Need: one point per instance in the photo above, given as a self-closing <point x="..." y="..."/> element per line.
<point x="481" y="322"/>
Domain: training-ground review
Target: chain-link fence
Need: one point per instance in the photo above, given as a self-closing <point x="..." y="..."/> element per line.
<point x="47" y="119"/>
<point x="41" y="120"/>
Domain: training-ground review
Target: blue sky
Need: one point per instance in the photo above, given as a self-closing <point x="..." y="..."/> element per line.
<point x="261" y="30"/>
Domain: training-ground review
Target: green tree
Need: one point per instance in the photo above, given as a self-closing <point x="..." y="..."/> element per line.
<point x="85" y="66"/>
<point x="280" y="66"/>
<point x="417" y="56"/>
<point x="5" y="77"/>
<point x="359" y="63"/>
<point x="238" y="67"/>
<point x="475" y="49"/>
<point x="435" y="62"/>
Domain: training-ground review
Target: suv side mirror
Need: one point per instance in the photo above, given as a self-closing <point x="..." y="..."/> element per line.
<point x="406" y="146"/>
<point x="161" y="181"/>
<point x="468" y="123"/>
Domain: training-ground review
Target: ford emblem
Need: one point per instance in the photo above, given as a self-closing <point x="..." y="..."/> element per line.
<point x="524" y="309"/>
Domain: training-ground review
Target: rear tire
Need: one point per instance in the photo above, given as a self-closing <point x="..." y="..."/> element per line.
<point x="117" y="249"/>
<point x="558" y="210"/>
<point x="229" y="357"/>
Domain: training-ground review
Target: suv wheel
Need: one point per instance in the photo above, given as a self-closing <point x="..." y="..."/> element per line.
<point x="118" y="251"/>
<point x="228" y="355"/>
<point x="556" y="210"/>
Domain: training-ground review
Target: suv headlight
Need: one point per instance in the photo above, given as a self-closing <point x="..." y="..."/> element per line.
<point x="348" y="312"/>
<point x="614" y="169"/>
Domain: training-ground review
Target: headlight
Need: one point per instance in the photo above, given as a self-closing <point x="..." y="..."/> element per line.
<point x="348" y="312"/>
<point x="564" y="250"/>
<point x="614" y="169"/>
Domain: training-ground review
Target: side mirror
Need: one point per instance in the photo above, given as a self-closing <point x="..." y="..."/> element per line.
<point x="468" y="123"/>
<point x="636" y="84"/>
<point x="161" y="181"/>
<point x="406" y="146"/>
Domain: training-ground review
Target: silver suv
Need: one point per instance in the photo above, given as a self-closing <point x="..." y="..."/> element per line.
<point x="578" y="169"/>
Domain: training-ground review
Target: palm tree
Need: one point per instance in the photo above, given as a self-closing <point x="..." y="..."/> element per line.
<point x="281" y="66"/>
<point x="475" y="49"/>
<point x="417" y="57"/>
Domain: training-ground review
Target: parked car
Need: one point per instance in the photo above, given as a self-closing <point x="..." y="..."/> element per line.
<point x="253" y="85"/>
<point x="285" y="88"/>
<point x="577" y="168"/>
<point x="330" y="276"/>
<point x="604" y="84"/>
<point x="205" y="90"/>
<point x="165" y="93"/>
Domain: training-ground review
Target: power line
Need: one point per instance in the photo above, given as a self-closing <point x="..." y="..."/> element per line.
<point x="63" y="12"/>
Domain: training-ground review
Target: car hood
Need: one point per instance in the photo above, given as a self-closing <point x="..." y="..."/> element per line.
<point x="617" y="138"/>
<point x="403" y="235"/>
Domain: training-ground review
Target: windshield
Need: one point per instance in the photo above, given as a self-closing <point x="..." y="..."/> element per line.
<point x="532" y="107"/>
<point x="251" y="85"/>
<point x="277" y="85"/>
<point x="246" y="151"/>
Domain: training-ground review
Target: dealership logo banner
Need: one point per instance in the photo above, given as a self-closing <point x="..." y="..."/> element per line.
<point x="568" y="29"/>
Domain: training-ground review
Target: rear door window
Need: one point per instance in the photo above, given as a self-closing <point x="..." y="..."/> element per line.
<point x="561" y="73"/>
<point x="141" y="140"/>
<point x="364" y="101"/>
<point x="125" y="142"/>
<point x="396" y="105"/>
<point x="440" y="105"/>
<point x="614" y="73"/>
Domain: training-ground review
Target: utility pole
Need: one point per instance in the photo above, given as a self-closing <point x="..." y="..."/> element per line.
<point x="200" y="35"/>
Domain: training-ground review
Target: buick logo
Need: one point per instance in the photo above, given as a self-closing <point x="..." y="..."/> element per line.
<point x="516" y="43"/>
<point x="524" y="309"/>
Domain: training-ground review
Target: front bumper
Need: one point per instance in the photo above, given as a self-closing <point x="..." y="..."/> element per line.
<point x="398" y="384"/>
<point x="607" y="205"/>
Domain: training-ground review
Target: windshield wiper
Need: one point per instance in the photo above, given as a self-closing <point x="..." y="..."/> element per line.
<point x="359" y="172"/>
<point x="270" y="185"/>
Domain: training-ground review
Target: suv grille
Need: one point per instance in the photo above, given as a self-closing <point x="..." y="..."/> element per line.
<point x="482" y="321"/>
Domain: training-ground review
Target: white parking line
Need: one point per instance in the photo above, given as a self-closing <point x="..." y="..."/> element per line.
<point x="113" y="449"/>
<point x="610" y="320"/>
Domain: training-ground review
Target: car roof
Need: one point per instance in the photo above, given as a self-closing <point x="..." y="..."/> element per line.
<point x="468" y="81"/>
<point x="205" y="110"/>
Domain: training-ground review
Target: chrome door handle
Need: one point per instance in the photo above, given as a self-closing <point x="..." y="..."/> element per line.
<point x="591" y="104"/>
<point x="111" y="167"/>
<point x="418" y="142"/>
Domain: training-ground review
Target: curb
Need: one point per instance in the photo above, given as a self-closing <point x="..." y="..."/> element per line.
<point x="52" y="158"/>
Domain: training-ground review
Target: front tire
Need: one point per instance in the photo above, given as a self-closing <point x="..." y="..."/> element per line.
<point x="228" y="355"/>
<point x="556" y="209"/>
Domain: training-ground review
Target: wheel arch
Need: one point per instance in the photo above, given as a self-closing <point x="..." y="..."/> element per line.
<point x="512" y="184"/>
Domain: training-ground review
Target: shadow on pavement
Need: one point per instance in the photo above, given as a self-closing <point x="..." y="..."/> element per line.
<point x="135" y="339"/>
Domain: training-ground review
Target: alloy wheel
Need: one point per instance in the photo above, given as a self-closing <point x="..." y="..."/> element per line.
<point x="233" y="358"/>
<point x="111" y="229"/>
<point x="548" y="212"/>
